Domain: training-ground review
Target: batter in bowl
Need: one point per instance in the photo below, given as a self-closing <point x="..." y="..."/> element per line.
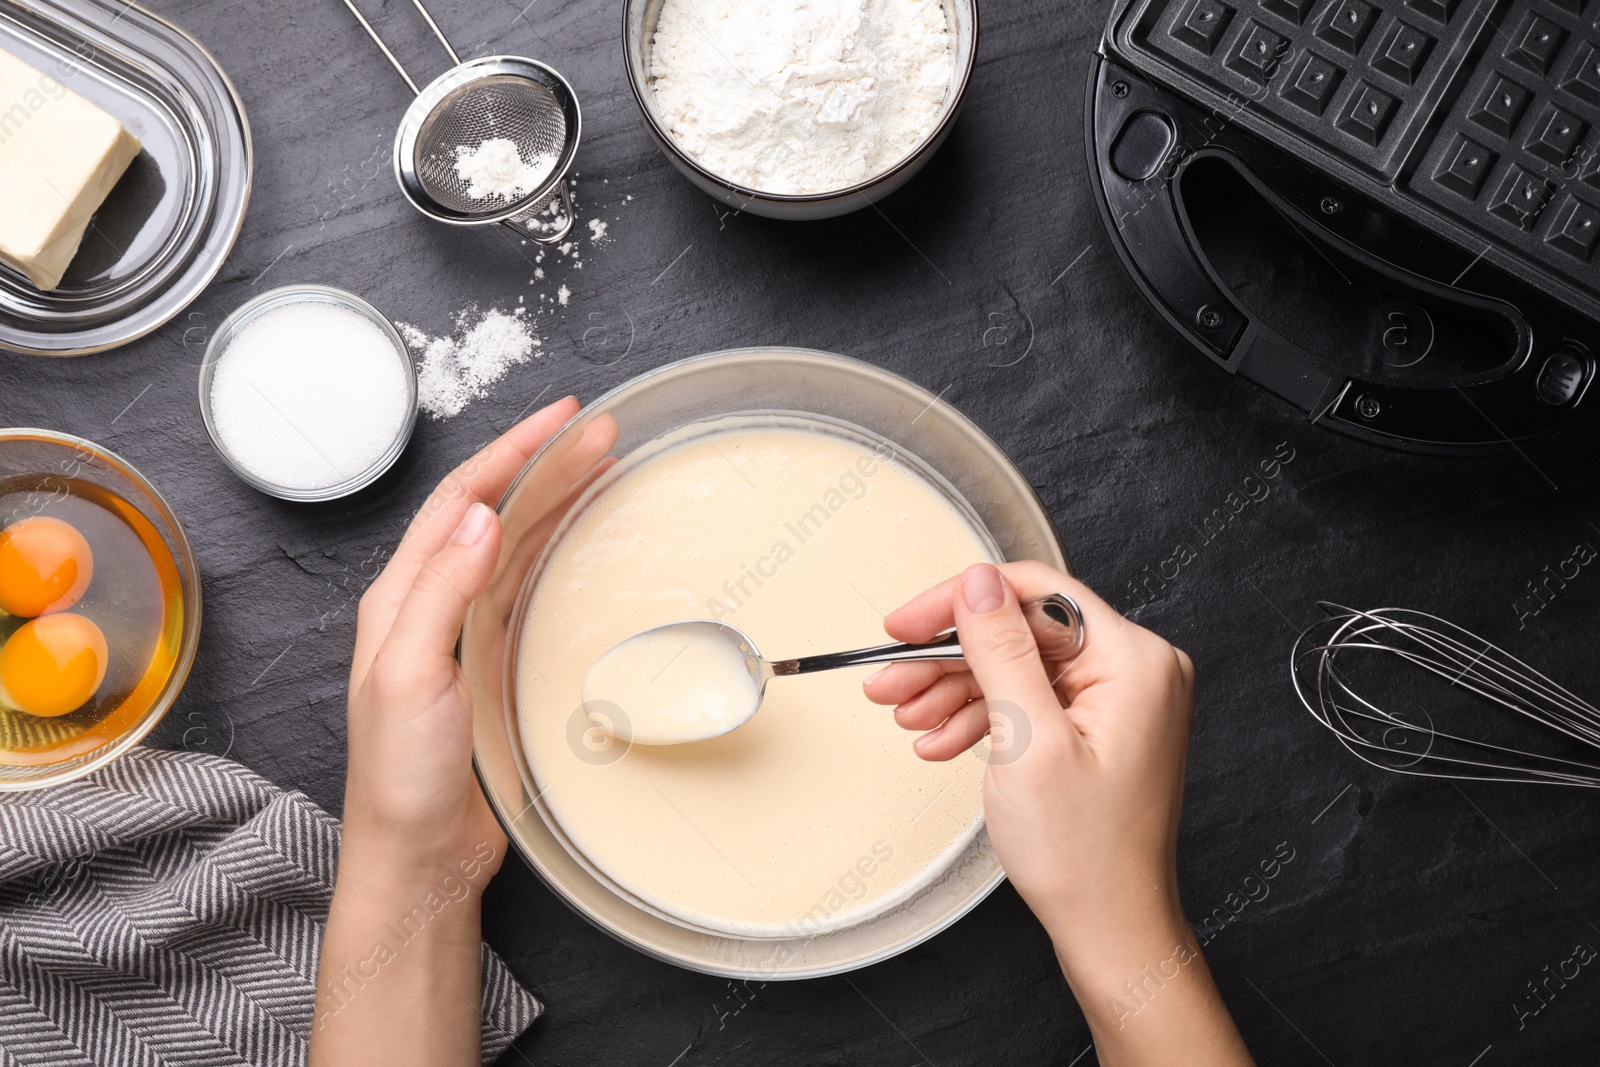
<point x="816" y="814"/>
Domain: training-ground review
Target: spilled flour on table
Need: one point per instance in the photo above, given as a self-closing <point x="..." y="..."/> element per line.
<point x="589" y="233"/>
<point x="454" y="370"/>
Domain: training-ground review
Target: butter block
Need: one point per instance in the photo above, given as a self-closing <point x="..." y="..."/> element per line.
<point x="59" y="158"/>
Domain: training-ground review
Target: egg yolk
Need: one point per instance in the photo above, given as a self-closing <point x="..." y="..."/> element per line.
<point x="52" y="664"/>
<point x="45" y="566"/>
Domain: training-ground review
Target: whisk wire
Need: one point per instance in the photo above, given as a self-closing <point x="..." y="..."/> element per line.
<point x="1506" y="697"/>
<point x="1507" y="665"/>
<point x="1466" y="662"/>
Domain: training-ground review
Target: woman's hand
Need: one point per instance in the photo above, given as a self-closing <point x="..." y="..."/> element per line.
<point x="410" y="795"/>
<point x="1085" y="778"/>
<point x="1081" y="795"/>
<point x="398" y="982"/>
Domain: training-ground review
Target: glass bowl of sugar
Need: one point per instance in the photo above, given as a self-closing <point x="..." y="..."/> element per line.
<point x="308" y="393"/>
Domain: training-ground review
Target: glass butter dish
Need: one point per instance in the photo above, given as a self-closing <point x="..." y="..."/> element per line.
<point x="166" y="227"/>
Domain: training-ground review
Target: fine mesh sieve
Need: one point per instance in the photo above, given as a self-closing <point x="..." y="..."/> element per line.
<point x="524" y="112"/>
<point x="497" y="97"/>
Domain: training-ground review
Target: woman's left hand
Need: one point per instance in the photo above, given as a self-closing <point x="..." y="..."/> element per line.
<point x="398" y="982"/>
<point x="411" y="799"/>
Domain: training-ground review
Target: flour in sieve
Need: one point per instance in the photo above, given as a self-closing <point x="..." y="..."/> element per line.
<point x="800" y="96"/>
<point x="495" y="168"/>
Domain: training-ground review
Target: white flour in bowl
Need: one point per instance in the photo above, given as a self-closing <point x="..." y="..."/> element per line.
<point x="800" y="96"/>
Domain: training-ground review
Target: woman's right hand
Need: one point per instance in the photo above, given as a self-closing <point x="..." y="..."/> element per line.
<point x="1085" y="775"/>
<point x="1082" y="792"/>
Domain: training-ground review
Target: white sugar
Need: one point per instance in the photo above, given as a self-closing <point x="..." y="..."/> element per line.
<point x="455" y="370"/>
<point x="309" y="395"/>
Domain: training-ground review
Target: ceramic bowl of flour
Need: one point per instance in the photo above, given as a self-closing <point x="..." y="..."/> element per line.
<point x="501" y="646"/>
<point x="793" y="132"/>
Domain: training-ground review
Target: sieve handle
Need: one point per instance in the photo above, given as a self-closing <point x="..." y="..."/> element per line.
<point x="393" y="62"/>
<point x="390" y="56"/>
<point x="524" y="225"/>
<point x="437" y="32"/>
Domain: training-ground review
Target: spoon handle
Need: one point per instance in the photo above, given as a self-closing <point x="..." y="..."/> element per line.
<point x="1056" y="621"/>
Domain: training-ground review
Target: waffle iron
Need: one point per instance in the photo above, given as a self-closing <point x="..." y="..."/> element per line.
<point x="1408" y="191"/>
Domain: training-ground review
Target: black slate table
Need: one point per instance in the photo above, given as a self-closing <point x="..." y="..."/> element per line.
<point x="1412" y="919"/>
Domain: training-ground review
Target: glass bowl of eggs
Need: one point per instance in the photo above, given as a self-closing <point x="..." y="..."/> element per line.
<point x="99" y="607"/>
<point x="797" y="495"/>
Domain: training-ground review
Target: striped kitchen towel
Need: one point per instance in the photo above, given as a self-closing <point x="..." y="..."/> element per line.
<point x="169" y="909"/>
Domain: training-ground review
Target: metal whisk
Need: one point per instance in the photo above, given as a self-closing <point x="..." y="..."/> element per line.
<point x="521" y="100"/>
<point x="1482" y="684"/>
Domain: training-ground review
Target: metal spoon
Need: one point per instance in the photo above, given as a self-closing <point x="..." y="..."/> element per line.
<point x="720" y="678"/>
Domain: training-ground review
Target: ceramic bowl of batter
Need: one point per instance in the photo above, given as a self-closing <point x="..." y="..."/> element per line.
<point x="740" y="382"/>
<point x="639" y="19"/>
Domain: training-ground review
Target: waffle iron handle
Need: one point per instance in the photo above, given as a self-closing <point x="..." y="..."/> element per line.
<point x="1144" y="140"/>
<point x="1321" y="387"/>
